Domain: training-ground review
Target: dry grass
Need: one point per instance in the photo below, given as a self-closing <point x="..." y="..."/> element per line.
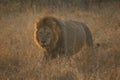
<point x="21" y="59"/>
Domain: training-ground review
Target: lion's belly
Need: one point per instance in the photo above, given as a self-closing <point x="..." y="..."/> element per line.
<point x="74" y="37"/>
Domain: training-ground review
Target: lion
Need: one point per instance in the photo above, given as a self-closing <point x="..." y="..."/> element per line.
<point x="59" y="37"/>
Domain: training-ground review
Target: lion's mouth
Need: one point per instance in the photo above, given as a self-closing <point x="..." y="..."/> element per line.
<point x="44" y="46"/>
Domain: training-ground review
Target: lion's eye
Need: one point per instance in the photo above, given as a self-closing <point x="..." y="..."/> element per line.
<point x="40" y="32"/>
<point x="48" y="34"/>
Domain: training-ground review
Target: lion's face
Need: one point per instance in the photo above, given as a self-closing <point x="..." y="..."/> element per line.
<point x="45" y="36"/>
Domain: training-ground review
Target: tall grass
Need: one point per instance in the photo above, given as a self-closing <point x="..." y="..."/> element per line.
<point x="21" y="59"/>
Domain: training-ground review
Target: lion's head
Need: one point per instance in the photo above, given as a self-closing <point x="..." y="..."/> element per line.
<point x="47" y="33"/>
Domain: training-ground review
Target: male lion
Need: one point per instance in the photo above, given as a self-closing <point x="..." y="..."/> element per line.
<point x="61" y="37"/>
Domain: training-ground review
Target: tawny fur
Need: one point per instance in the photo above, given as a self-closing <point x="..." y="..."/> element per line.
<point x="69" y="36"/>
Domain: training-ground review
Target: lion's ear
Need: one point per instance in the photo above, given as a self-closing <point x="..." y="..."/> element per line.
<point x="53" y="23"/>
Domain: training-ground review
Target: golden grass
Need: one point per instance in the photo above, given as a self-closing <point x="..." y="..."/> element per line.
<point x="21" y="59"/>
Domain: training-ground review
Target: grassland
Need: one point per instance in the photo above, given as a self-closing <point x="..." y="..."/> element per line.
<point x="21" y="59"/>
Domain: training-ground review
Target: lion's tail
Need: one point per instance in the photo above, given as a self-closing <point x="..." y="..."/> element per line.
<point x="89" y="39"/>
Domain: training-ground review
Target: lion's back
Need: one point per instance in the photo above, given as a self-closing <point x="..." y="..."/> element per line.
<point x="75" y="35"/>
